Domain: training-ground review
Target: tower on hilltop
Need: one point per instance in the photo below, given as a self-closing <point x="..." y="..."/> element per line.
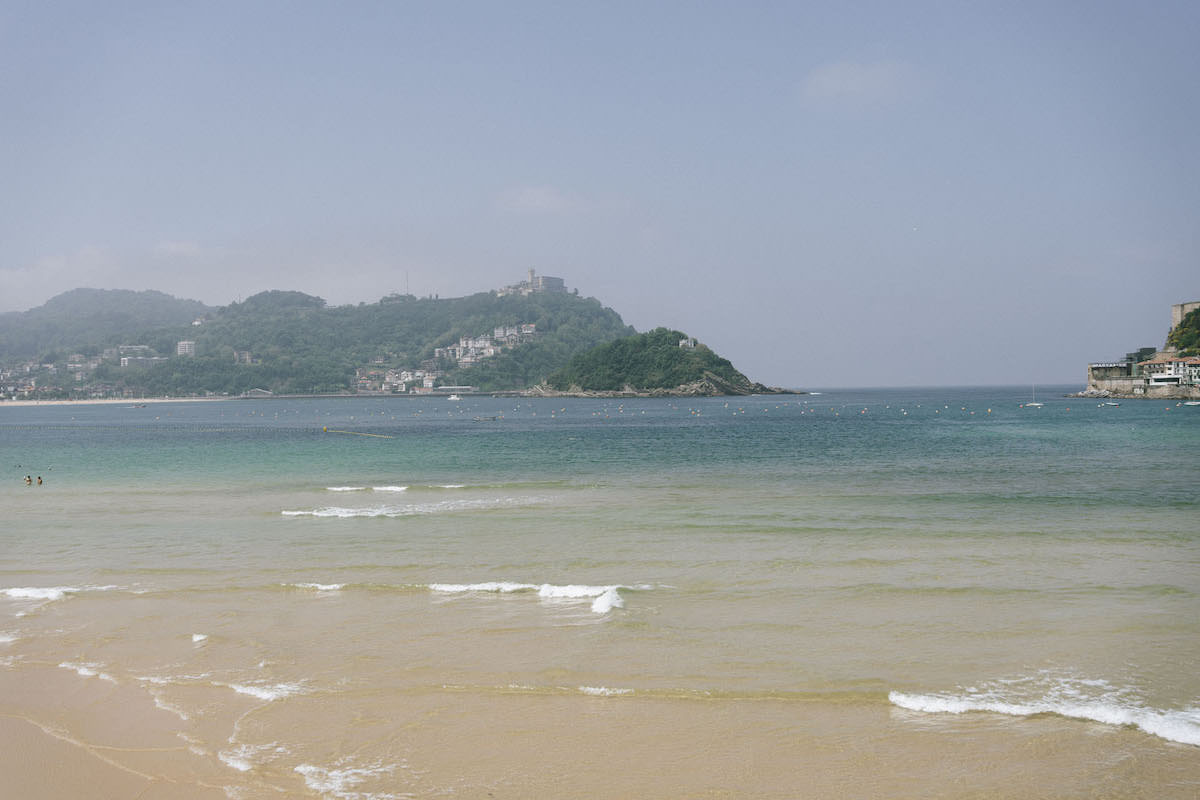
<point x="534" y="285"/>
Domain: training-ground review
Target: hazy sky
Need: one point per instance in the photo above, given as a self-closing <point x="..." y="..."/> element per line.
<point x="829" y="194"/>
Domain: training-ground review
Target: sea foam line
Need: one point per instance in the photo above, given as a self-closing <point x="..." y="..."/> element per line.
<point x="88" y="670"/>
<point x="339" y="780"/>
<point x="241" y="757"/>
<point x="51" y="592"/>
<point x="604" y="598"/>
<point x="1181" y="726"/>
<point x="414" y="509"/>
<point x="268" y="692"/>
<point x="365" y="488"/>
<point x="604" y="691"/>
<point x="318" y="587"/>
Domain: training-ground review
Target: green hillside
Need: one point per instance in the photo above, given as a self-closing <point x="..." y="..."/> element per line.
<point x="290" y="342"/>
<point x="1186" y="335"/>
<point x="650" y="362"/>
<point x="88" y="320"/>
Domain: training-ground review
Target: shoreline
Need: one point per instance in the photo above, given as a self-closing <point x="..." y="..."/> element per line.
<point x="112" y="401"/>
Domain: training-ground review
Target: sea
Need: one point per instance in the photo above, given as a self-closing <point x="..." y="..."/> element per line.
<point x="886" y="593"/>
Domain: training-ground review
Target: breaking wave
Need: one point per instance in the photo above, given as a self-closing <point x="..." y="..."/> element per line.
<point x="415" y="509"/>
<point x="50" y="592"/>
<point x="88" y="670"/>
<point x="318" y="587"/>
<point x="604" y="598"/>
<point x="266" y="691"/>
<point x="1076" y="698"/>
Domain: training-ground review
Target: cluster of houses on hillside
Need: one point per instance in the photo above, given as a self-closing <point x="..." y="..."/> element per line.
<point x="469" y="351"/>
<point x="1148" y="372"/>
<point x="74" y="376"/>
<point x="31" y="378"/>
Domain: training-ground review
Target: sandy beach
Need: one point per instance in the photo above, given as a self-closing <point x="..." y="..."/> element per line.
<point x="770" y="598"/>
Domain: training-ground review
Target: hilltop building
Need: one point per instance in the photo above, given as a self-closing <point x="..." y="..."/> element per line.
<point x="185" y="348"/>
<point x="536" y="284"/>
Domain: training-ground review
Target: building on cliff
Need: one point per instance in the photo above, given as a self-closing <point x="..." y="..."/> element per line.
<point x="1147" y="372"/>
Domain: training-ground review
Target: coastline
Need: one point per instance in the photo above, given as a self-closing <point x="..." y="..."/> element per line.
<point x="1148" y="393"/>
<point x="111" y="401"/>
<point x="698" y="389"/>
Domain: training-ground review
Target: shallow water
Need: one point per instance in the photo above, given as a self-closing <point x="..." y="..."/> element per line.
<point x="913" y="592"/>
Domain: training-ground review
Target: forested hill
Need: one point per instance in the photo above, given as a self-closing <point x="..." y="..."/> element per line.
<point x="662" y="360"/>
<point x="290" y="342"/>
<point x="88" y="320"/>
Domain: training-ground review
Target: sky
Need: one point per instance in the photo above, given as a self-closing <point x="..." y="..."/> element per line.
<point x="827" y="194"/>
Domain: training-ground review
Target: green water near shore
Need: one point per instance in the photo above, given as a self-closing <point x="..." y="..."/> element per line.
<point x="903" y="549"/>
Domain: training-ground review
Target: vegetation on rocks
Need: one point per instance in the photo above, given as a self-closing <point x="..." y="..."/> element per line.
<point x="652" y="363"/>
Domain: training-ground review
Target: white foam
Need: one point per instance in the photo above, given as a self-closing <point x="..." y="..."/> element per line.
<point x="607" y="601"/>
<point x="165" y="681"/>
<point x="603" y="691"/>
<point x="1092" y="700"/>
<point x="235" y="760"/>
<point x="7" y="639"/>
<point x="88" y="670"/>
<point x="452" y="486"/>
<point x="51" y="593"/>
<point x="173" y="709"/>
<point x="604" y="598"/>
<point x="40" y="592"/>
<point x="338" y="781"/>
<point x="345" y="488"/>
<point x="242" y="757"/>
<point x="320" y="587"/>
<point x="199" y="637"/>
<point x="493" y="586"/>
<point x="268" y="692"/>
<point x="389" y="488"/>
<point x="415" y="509"/>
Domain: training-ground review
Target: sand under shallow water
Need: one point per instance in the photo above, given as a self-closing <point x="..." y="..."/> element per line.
<point x="586" y="598"/>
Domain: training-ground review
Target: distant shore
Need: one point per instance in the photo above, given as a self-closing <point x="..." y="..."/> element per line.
<point x="112" y="401"/>
<point x="1148" y="393"/>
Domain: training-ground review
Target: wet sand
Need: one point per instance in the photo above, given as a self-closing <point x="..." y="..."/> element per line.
<point x="94" y="738"/>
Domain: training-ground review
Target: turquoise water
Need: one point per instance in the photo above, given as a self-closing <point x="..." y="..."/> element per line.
<point x="932" y="552"/>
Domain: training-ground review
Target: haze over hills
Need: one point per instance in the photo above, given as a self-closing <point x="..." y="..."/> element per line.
<point x="90" y="342"/>
<point x="87" y="320"/>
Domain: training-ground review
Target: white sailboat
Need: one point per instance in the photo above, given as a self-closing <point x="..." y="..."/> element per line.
<point x="1034" y="402"/>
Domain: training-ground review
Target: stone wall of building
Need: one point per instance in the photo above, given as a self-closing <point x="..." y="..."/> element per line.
<point x="1137" y="387"/>
<point x="1181" y="310"/>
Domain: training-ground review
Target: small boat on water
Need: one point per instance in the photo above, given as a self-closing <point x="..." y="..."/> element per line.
<point x="1191" y="402"/>
<point x="454" y="398"/>
<point x="1034" y="402"/>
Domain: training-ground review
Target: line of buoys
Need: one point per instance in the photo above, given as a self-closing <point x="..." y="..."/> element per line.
<point x="357" y="433"/>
